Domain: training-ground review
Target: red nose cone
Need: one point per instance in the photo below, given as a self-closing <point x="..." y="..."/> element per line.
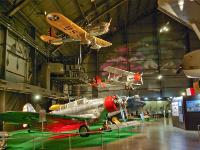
<point x="109" y="104"/>
<point x="137" y="76"/>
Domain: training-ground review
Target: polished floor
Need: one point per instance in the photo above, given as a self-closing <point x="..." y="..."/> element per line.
<point x="156" y="136"/>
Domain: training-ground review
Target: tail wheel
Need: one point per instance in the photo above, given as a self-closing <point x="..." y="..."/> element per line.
<point x="83" y="131"/>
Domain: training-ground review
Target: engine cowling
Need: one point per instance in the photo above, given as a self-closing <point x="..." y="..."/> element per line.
<point x="109" y="104"/>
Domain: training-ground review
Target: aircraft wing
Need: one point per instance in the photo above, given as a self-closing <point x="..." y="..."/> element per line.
<point x="117" y="71"/>
<point x="65" y="25"/>
<point x="102" y="42"/>
<point x="33" y="117"/>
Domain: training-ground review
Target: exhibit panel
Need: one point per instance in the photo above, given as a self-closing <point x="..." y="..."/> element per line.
<point x="178" y="115"/>
<point x="185" y="112"/>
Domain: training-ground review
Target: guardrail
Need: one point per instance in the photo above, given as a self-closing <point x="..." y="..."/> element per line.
<point x="198" y="127"/>
<point x="41" y="142"/>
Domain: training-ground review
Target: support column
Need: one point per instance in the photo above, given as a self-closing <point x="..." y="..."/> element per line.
<point x="187" y="48"/>
<point x="2" y="106"/>
<point x="156" y="43"/>
<point x="33" y="55"/>
<point x="3" y="36"/>
<point x="97" y="62"/>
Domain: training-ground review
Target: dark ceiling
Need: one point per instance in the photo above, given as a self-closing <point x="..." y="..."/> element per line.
<point x="82" y="12"/>
<point x="144" y="49"/>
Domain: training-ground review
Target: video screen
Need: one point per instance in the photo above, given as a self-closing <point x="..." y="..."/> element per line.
<point x="193" y="106"/>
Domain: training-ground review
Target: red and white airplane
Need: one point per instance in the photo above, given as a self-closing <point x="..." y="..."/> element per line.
<point x="72" y="30"/>
<point x="119" y="76"/>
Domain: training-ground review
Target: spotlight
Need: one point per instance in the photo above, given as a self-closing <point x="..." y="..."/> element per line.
<point x="146" y="98"/>
<point x="164" y="28"/>
<point x="183" y="93"/>
<point x="159" y="98"/>
<point x="181" y="4"/>
<point x="45" y="13"/>
<point x="37" y="97"/>
<point x="160" y="77"/>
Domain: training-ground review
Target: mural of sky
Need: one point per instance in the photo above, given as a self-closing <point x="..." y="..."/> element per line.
<point x="143" y="57"/>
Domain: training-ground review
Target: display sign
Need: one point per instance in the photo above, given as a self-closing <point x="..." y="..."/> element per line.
<point x="193" y="106"/>
<point x="175" y="109"/>
<point x="42" y="115"/>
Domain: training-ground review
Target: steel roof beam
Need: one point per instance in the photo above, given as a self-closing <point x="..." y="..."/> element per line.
<point x="107" y="11"/>
<point x="4" y="21"/>
<point x="58" y="6"/>
<point x="27" y="19"/>
<point x="138" y="8"/>
<point x="19" y="6"/>
<point x="82" y="13"/>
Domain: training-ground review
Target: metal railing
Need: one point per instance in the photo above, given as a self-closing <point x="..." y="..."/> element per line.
<point x="198" y="128"/>
<point x="41" y="141"/>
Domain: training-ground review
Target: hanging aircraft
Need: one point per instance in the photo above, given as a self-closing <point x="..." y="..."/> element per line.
<point x="72" y="32"/>
<point x="72" y="116"/>
<point x="119" y="76"/>
<point x="191" y="64"/>
<point x="98" y="29"/>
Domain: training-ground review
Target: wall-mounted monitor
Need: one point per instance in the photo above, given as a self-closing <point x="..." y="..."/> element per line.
<point x="193" y="105"/>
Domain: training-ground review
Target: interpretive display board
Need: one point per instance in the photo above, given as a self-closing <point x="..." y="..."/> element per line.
<point x="42" y="115"/>
<point x="193" y="106"/>
<point x="177" y="112"/>
<point x="175" y="109"/>
<point x="188" y="112"/>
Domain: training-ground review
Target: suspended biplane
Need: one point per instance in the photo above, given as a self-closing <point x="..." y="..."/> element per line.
<point x="72" y="32"/>
<point x="127" y="78"/>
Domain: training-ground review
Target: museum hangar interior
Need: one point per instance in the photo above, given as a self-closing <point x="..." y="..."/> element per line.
<point x="90" y="74"/>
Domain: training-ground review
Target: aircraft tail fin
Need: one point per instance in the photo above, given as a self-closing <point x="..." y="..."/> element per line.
<point x="28" y="108"/>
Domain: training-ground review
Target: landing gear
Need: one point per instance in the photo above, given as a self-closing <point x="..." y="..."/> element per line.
<point x="83" y="131"/>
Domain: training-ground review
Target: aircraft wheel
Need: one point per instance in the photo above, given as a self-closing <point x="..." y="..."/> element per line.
<point x="83" y="131"/>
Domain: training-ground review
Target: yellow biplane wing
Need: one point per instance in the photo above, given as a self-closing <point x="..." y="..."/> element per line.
<point x="75" y="32"/>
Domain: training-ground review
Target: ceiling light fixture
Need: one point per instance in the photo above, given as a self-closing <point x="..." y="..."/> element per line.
<point x="37" y="97"/>
<point x="183" y="93"/>
<point x="165" y="28"/>
<point x="181" y="4"/>
<point x="160" y="77"/>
